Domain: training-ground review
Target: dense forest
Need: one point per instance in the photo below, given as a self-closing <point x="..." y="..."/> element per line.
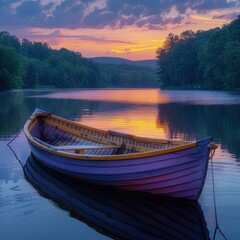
<point x="26" y="64"/>
<point x="203" y="59"/>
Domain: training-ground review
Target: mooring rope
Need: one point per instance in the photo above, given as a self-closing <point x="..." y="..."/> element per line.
<point x="213" y="148"/>
<point x="14" y="153"/>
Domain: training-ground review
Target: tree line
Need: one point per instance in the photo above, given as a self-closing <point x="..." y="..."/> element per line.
<point x="26" y="64"/>
<point x="203" y="59"/>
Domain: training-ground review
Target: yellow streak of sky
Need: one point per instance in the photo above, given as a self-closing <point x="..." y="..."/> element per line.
<point x="203" y="18"/>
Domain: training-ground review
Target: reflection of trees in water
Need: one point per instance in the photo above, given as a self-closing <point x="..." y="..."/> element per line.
<point x="16" y="107"/>
<point x="11" y="108"/>
<point x="198" y="121"/>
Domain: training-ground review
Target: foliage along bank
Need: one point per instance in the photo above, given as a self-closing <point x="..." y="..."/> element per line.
<point x="203" y="59"/>
<point x="26" y="64"/>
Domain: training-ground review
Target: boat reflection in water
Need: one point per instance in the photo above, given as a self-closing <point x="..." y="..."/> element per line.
<point x="118" y="214"/>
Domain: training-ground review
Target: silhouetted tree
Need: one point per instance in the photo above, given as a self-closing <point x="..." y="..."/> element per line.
<point x="11" y="69"/>
<point x="205" y="59"/>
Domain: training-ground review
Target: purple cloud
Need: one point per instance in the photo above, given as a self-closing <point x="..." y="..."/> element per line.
<point x="203" y="6"/>
<point x="74" y="14"/>
<point x="230" y="16"/>
<point x="30" y="13"/>
<point x="58" y="34"/>
<point x="99" y="19"/>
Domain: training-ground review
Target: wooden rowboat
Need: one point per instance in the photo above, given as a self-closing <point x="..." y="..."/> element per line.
<point x="162" y="167"/>
<point x="116" y="214"/>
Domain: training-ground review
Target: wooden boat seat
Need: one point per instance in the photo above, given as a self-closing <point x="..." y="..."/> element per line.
<point x="81" y="148"/>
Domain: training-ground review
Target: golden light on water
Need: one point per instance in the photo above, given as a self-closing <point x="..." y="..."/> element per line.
<point x="136" y="110"/>
<point x="140" y="122"/>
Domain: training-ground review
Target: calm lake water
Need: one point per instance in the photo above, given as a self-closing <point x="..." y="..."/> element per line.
<point x="87" y="213"/>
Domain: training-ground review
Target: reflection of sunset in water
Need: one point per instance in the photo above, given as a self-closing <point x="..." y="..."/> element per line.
<point x="143" y="96"/>
<point x="141" y="122"/>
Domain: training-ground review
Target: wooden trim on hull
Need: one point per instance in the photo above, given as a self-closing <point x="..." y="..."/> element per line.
<point x="53" y="149"/>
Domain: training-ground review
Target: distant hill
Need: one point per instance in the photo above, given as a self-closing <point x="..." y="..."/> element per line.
<point x="112" y="60"/>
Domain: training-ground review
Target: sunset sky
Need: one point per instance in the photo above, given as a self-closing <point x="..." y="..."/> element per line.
<point x="131" y="29"/>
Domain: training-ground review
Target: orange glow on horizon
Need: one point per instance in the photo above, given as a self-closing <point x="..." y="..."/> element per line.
<point x="133" y="49"/>
<point x="130" y="43"/>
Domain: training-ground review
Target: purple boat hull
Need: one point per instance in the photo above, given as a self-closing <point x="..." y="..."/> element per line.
<point x="179" y="174"/>
<point x="157" y="166"/>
